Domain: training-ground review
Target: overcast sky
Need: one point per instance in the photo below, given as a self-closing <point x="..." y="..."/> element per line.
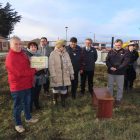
<point x="84" y="18"/>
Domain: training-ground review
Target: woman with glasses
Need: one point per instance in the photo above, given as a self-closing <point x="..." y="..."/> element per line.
<point x="61" y="71"/>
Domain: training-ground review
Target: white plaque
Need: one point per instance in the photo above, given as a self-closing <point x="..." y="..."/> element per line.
<point x="39" y="62"/>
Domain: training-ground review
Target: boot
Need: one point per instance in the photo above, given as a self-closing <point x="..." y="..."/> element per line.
<point x="73" y="95"/>
<point x="63" y="100"/>
<point x="55" y="96"/>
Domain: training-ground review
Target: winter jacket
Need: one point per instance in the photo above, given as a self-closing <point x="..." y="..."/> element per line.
<point x="20" y="75"/>
<point x="130" y="73"/>
<point x="133" y="57"/>
<point x="89" y="58"/>
<point x="75" y="56"/>
<point x="44" y="51"/>
<point x="118" y="59"/>
<point x="60" y="68"/>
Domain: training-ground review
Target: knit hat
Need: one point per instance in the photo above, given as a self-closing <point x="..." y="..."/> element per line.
<point x="60" y="43"/>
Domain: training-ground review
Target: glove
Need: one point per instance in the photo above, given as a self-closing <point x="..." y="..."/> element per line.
<point x="72" y="77"/>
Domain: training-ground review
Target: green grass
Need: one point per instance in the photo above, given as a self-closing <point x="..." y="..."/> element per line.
<point x="77" y="121"/>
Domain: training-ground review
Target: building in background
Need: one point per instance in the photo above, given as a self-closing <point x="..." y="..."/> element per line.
<point x="4" y="44"/>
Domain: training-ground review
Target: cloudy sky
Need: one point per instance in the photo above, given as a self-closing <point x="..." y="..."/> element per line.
<point x="84" y="18"/>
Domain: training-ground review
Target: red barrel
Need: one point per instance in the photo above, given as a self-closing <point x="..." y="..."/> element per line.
<point x="105" y="108"/>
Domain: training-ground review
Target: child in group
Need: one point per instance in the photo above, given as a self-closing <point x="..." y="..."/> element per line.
<point x="61" y="71"/>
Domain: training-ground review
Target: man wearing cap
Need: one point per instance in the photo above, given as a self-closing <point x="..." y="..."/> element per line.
<point x="117" y="60"/>
<point x="61" y="71"/>
<point x="75" y="55"/>
<point x="130" y="74"/>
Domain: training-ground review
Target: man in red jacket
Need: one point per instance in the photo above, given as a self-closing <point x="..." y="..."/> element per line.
<point x="20" y="78"/>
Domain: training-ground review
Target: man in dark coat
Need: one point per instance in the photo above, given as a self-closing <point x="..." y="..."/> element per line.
<point x="130" y="74"/>
<point x="89" y="57"/>
<point x="75" y="55"/>
<point x="117" y="60"/>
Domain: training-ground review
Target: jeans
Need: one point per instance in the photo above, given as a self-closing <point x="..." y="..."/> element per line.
<point x="21" y="102"/>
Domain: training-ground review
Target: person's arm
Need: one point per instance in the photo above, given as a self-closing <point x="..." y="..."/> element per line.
<point x="108" y="64"/>
<point x="136" y="56"/>
<point x="52" y="66"/>
<point x="70" y="65"/>
<point x="125" y="62"/>
<point x="16" y="69"/>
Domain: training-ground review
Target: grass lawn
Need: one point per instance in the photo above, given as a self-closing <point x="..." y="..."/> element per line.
<point x="75" y="122"/>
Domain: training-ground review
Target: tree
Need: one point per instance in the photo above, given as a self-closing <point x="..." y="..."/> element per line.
<point x="8" y="18"/>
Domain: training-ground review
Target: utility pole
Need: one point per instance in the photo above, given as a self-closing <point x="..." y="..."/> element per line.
<point x="66" y="32"/>
<point x="94" y="37"/>
<point x="112" y="42"/>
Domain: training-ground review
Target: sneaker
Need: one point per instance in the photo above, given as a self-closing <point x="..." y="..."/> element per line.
<point x="32" y="120"/>
<point x="19" y="128"/>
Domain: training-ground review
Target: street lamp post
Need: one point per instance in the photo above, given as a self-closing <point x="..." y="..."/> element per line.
<point x="66" y="32"/>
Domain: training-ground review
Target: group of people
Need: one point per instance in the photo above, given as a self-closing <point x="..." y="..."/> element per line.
<point x="121" y="68"/>
<point x="65" y="64"/>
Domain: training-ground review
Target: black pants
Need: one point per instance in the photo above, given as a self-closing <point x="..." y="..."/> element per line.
<point x="35" y="96"/>
<point x="46" y="85"/>
<point x="74" y="84"/>
<point x="130" y="76"/>
<point x="84" y="76"/>
<point x="128" y="84"/>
